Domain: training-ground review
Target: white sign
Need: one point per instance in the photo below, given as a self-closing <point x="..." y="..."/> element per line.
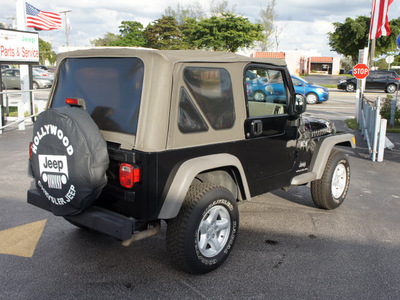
<point x="19" y="46"/>
<point x="389" y="59"/>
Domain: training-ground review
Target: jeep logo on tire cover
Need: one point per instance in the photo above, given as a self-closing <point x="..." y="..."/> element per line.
<point x="53" y="170"/>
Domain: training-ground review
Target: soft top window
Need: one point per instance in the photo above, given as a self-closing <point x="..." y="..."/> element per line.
<point x="212" y="90"/>
<point x="111" y="88"/>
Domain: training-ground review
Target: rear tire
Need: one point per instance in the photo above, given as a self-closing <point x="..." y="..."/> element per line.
<point x="259" y="96"/>
<point x="330" y="191"/>
<point x="201" y="237"/>
<point x="391" y="88"/>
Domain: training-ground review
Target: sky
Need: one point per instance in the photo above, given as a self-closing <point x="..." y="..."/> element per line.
<point x="303" y="24"/>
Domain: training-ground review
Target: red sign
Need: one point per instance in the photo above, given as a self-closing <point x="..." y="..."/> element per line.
<point x="360" y="71"/>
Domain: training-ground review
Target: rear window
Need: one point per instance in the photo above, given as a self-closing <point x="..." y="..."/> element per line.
<point x="111" y="88"/>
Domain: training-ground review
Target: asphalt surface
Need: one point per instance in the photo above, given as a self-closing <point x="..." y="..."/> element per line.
<point x="286" y="247"/>
<point x="324" y="79"/>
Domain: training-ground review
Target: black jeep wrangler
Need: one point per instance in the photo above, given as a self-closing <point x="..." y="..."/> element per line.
<point x="131" y="137"/>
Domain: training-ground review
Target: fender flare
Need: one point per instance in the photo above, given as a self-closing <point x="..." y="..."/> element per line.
<point x="187" y="172"/>
<point x="321" y="155"/>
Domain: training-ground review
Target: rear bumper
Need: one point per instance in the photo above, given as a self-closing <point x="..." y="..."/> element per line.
<point x="96" y="218"/>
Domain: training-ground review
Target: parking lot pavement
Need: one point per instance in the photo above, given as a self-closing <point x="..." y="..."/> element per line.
<point x="286" y="247"/>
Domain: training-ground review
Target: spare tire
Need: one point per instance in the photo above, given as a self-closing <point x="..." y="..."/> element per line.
<point x="69" y="159"/>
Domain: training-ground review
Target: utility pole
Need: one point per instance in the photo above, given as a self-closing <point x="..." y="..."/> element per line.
<point x="66" y="25"/>
<point x="13" y="22"/>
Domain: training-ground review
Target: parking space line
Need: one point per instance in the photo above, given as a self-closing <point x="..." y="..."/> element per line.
<point x="21" y="240"/>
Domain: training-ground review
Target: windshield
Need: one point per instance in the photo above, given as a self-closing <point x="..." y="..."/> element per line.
<point x="111" y="88"/>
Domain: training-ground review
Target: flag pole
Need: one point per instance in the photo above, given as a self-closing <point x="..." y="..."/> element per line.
<point x="369" y="35"/>
<point x="21" y="14"/>
<point x="24" y="70"/>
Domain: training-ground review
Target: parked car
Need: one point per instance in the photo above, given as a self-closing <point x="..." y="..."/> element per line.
<point x="265" y="87"/>
<point x="42" y="73"/>
<point x="11" y="80"/>
<point x="388" y="81"/>
<point x="40" y="67"/>
<point x="313" y="93"/>
<point x="121" y="148"/>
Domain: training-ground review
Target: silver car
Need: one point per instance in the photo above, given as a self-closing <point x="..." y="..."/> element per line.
<point x="11" y="80"/>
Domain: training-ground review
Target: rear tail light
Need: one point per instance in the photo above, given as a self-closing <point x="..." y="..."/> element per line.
<point x="76" y="102"/>
<point x="128" y="175"/>
<point x="71" y="101"/>
<point x="397" y="78"/>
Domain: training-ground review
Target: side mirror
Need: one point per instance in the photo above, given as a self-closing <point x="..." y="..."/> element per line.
<point x="300" y="104"/>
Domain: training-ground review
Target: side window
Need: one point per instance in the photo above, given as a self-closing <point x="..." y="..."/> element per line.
<point x="189" y="118"/>
<point x="212" y="91"/>
<point x="266" y="92"/>
<point x="374" y="75"/>
<point x="296" y="82"/>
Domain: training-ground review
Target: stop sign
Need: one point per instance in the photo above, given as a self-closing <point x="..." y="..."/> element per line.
<point x="360" y="71"/>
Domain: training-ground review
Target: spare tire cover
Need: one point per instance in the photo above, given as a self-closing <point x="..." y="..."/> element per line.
<point x="69" y="159"/>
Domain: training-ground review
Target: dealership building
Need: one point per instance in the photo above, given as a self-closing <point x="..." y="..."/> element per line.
<point x="301" y="63"/>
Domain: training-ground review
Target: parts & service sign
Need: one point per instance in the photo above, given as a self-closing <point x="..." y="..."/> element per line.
<point x="19" y="46"/>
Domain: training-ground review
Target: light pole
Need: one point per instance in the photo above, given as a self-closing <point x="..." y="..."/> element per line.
<point x="66" y="25"/>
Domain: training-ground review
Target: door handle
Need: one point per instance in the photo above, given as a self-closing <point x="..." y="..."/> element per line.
<point x="256" y="127"/>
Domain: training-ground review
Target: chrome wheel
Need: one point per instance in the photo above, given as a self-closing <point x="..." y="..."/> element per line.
<point x="391" y="88"/>
<point x="312" y="98"/>
<point x="350" y="87"/>
<point x="259" y="96"/>
<point x="214" y="230"/>
<point x="339" y="181"/>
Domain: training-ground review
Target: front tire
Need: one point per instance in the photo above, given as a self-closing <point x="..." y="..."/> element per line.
<point x="330" y="191"/>
<point x="201" y="237"/>
<point x="350" y="87"/>
<point x="311" y="98"/>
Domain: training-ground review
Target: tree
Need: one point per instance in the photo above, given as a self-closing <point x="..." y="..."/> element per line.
<point x="181" y="13"/>
<point x="268" y="17"/>
<point x="352" y="35"/>
<point x="163" y="34"/>
<point x="106" y="40"/>
<point x="227" y="32"/>
<point x="347" y="63"/>
<point x="132" y="35"/>
<point x="221" y="7"/>
<point x="45" y="53"/>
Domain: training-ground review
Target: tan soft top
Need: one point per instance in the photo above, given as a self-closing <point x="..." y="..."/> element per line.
<point x="156" y="125"/>
<point x="173" y="56"/>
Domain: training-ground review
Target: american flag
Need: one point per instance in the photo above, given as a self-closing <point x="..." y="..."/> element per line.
<point x="41" y="20"/>
<point x="379" y="19"/>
